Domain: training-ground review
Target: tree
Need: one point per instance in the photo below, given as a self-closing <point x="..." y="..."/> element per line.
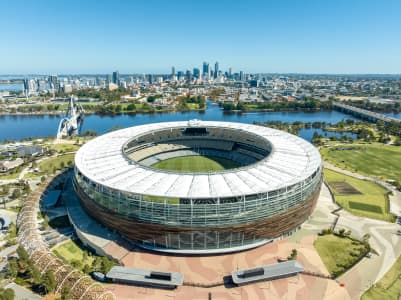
<point x="86" y="269"/>
<point x="241" y="106"/>
<point x="118" y="108"/>
<point x="16" y="193"/>
<point x="102" y="264"/>
<point x="341" y="232"/>
<point x="12" y="230"/>
<point x="106" y="265"/>
<point x="22" y="254"/>
<point x="6" y="190"/>
<point x="293" y="254"/>
<point x="49" y="282"/>
<point x="7" y="294"/>
<point x="76" y="263"/>
<point x="34" y="274"/>
<point x="12" y="268"/>
<point x="45" y="222"/>
<point x="26" y="188"/>
<point x="66" y="293"/>
<point x="131" y="107"/>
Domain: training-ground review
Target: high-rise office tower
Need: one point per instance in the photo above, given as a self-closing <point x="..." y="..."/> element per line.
<point x="116" y="77"/>
<point x="54" y="83"/>
<point x="230" y="72"/>
<point x="26" y="87"/>
<point x="188" y="75"/>
<point x="150" y="79"/>
<point x="172" y="71"/>
<point x="196" y="73"/>
<point x="108" y="79"/>
<point x="241" y="76"/>
<point x="206" y="70"/>
<point x="216" y="70"/>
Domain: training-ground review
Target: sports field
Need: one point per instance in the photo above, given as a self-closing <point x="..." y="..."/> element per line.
<point x="381" y="161"/>
<point x="360" y="197"/>
<point x="196" y="164"/>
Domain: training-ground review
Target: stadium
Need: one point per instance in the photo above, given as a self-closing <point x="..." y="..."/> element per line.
<point x="198" y="187"/>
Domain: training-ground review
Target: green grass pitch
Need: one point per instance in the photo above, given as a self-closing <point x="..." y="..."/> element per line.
<point x="196" y="164"/>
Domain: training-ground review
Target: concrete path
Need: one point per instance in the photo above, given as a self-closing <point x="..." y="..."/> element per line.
<point x="22" y="293"/>
<point x="24" y="171"/>
<point x="9" y="250"/>
<point x="385" y="240"/>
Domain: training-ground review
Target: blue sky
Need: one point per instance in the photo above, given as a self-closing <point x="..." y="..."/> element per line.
<point x="308" y="36"/>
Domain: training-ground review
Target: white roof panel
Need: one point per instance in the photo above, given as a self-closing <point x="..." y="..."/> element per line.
<point x="291" y="160"/>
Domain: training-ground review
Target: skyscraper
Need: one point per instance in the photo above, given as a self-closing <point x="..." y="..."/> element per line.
<point x="150" y="78"/>
<point x="172" y="71"/>
<point x="188" y="75"/>
<point x="206" y="70"/>
<point x="196" y="73"/>
<point x="54" y="83"/>
<point x="26" y="87"/>
<point x="116" y="77"/>
<point x="241" y="76"/>
<point x="216" y="70"/>
<point x="108" y="79"/>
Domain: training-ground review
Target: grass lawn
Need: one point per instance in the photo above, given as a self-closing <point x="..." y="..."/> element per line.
<point x="10" y="175"/>
<point x="32" y="175"/>
<point x="337" y="253"/>
<point x="371" y="201"/>
<point x="372" y="160"/>
<point x="70" y="251"/>
<point x="196" y="164"/>
<point x="389" y="287"/>
<point x="65" y="147"/>
<point x="46" y="166"/>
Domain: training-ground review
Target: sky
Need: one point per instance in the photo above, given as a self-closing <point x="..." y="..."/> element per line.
<point x="150" y="36"/>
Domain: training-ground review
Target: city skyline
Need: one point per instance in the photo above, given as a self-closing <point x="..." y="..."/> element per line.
<point x="341" y="37"/>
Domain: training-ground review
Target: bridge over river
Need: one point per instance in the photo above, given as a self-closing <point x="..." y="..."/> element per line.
<point x="363" y="113"/>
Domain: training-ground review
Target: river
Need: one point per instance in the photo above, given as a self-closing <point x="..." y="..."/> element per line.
<point x="15" y="127"/>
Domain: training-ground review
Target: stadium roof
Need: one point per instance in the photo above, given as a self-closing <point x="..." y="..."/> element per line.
<point x="291" y="160"/>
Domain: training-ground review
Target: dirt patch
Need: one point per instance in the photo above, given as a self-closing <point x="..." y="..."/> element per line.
<point x="344" y="188"/>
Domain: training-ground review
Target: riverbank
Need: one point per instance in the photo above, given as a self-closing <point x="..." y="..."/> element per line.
<point x="156" y="111"/>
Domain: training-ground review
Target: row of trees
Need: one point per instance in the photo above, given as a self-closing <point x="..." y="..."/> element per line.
<point x="101" y="94"/>
<point x="309" y="105"/>
<point x="24" y="272"/>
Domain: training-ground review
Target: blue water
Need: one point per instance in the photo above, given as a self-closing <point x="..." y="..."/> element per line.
<point x="11" y="87"/>
<point x="23" y="126"/>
